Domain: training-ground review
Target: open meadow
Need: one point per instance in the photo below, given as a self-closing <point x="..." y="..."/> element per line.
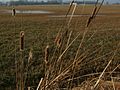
<point x="60" y="49"/>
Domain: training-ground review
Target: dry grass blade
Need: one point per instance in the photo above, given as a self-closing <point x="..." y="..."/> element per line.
<point x="60" y="75"/>
<point x="57" y="38"/>
<point x="115" y="68"/>
<point x="74" y="61"/>
<point x="75" y="5"/>
<point x="69" y="39"/>
<point x="94" y="13"/>
<point x="46" y="54"/>
<point x="30" y="56"/>
<point x="91" y="17"/>
<point x="105" y="69"/>
<point x="113" y="83"/>
<point x="28" y="88"/>
<point x="68" y="47"/>
<point x="69" y="8"/>
<point x="39" y="84"/>
<point x="59" y="32"/>
<point x="99" y="8"/>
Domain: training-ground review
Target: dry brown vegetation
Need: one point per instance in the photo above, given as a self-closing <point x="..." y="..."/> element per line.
<point x="67" y="65"/>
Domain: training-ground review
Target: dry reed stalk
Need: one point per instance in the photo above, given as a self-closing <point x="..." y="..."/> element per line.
<point x="60" y="75"/>
<point x="59" y="42"/>
<point x="46" y="66"/>
<point x="68" y="47"/>
<point x="39" y="84"/>
<point x="113" y="84"/>
<point x="77" y="52"/>
<point x="57" y="37"/>
<point x="46" y="54"/>
<point x="63" y="73"/>
<point x="114" y="69"/>
<point x="91" y="17"/>
<point x="28" y="88"/>
<point x="104" y="70"/>
<point x="75" y="5"/>
<point x="30" y="56"/>
<point x="21" y="40"/>
<point x="59" y="32"/>
<point x="94" y="13"/>
<point x="99" y="8"/>
<point x="87" y="75"/>
<point x="69" y="38"/>
<point x="71" y="4"/>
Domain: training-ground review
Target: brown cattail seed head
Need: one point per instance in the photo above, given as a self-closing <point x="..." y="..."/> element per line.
<point x="21" y="40"/>
<point x="94" y="12"/>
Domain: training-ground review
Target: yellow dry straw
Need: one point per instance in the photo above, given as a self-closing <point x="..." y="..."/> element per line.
<point x="71" y="4"/>
<point x="21" y="40"/>
<point x="59" y="42"/>
<point x="46" y="54"/>
<point x="75" y="5"/>
<point x="30" y="56"/>
<point x="57" y="38"/>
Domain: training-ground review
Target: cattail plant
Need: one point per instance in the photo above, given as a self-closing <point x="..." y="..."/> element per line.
<point x="91" y="17"/>
<point x="71" y="4"/>
<point x="21" y="40"/>
<point x="20" y="65"/>
<point x="94" y="13"/>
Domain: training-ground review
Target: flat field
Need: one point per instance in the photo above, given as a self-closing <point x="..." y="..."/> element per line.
<point x="89" y="53"/>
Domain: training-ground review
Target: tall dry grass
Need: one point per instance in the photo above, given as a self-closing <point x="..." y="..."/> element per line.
<point x="61" y="73"/>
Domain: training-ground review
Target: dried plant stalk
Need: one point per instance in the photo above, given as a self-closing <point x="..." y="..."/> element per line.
<point x="46" y="54"/>
<point x="39" y="84"/>
<point x="30" y="56"/>
<point x="91" y="17"/>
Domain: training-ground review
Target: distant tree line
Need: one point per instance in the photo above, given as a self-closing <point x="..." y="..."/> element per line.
<point x="49" y="2"/>
<point x="25" y="2"/>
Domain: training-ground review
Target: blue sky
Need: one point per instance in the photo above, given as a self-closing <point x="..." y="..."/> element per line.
<point x="112" y="1"/>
